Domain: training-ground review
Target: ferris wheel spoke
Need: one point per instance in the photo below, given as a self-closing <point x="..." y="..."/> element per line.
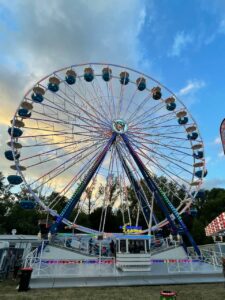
<point x="110" y="87"/>
<point x="63" y="132"/>
<point x="99" y="97"/>
<point x="48" y="159"/>
<point x="49" y="151"/>
<point x="111" y="104"/>
<point x="159" y="117"/>
<point x="120" y="100"/>
<point x="84" y="98"/>
<point x="64" y="142"/>
<point x="72" y="182"/>
<point x="130" y="102"/>
<point x="154" y="127"/>
<point x="75" y="106"/>
<point x="79" y="159"/>
<point x="64" y="122"/>
<point x="167" y="137"/>
<point x="162" y="168"/>
<point x="162" y="156"/>
<point x="121" y="178"/>
<point x="67" y="144"/>
<point x="137" y="110"/>
<point x="153" y="110"/>
<point x="86" y="102"/>
<point x="135" y="181"/>
<point x="64" y="111"/>
<point x="83" y="133"/>
<point x="158" y="145"/>
<point x="82" y="125"/>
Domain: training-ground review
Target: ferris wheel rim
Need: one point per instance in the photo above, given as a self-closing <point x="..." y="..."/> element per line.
<point x="74" y="66"/>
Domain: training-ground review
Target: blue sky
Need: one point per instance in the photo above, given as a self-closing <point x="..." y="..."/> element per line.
<point x="180" y="43"/>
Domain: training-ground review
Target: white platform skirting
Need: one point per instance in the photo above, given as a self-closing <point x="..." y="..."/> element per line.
<point x="66" y="275"/>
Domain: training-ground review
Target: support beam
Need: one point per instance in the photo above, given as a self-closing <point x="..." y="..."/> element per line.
<point x="144" y="204"/>
<point x="160" y="196"/>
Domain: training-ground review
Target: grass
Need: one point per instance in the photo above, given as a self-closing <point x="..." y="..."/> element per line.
<point x="184" y="292"/>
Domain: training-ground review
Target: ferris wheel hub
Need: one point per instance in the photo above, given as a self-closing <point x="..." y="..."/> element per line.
<point x="119" y="126"/>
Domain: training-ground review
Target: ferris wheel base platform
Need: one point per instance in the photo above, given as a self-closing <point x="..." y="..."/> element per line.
<point x="91" y="272"/>
<point x="130" y="279"/>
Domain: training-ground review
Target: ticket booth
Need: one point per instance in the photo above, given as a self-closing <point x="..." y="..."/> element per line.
<point x="133" y="252"/>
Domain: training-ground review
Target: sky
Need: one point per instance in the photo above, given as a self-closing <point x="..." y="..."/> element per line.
<point x="178" y="42"/>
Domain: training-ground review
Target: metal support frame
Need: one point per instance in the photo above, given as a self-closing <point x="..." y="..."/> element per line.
<point x="67" y="210"/>
<point x="160" y="197"/>
<point x="146" y="209"/>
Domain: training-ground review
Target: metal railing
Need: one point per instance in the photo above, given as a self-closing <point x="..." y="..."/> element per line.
<point x="208" y="254"/>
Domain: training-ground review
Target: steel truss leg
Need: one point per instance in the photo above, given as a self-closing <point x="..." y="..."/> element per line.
<point x="146" y="209"/>
<point x="160" y="196"/>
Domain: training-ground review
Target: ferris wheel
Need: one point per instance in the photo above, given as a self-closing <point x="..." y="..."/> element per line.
<point x="84" y="128"/>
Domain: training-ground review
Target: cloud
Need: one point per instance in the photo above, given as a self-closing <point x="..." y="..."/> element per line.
<point x="41" y="37"/>
<point x="181" y="40"/>
<point x="191" y="87"/>
<point x="221" y="154"/>
<point x="222" y="26"/>
<point x="217" y="140"/>
<point x="54" y="35"/>
<point x="213" y="183"/>
<point x="189" y="92"/>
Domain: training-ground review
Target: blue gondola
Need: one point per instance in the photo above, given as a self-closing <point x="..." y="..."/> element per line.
<point x="53" y="84"/>
<point x="70" y="77"/>
<point x="53" y="87"/>
<point x="183" y="120"/>
<point x="171" y="106"/>
<point x="88" y="74"/>
<point x="156" y="93"/>
<point x="124" y="78"/>
<point x="106" y="74"/>
<point x="141" y="83"/>
<point x="193" y="136"/>
<point x="198" y="155"/>
<point x="24" y="113"/>
<point x="201" y="173"/>
<point x="27" y="204"/>
<point x="16" y="132"/>
<point x="14" y="179"/>
<point x="9" y="155"/>
<point x="38" y="98"/>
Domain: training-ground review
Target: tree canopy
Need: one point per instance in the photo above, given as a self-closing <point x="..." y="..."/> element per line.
<point x="26" y="221"/>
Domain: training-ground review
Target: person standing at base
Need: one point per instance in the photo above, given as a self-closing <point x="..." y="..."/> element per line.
<point x="112" y="247"/>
